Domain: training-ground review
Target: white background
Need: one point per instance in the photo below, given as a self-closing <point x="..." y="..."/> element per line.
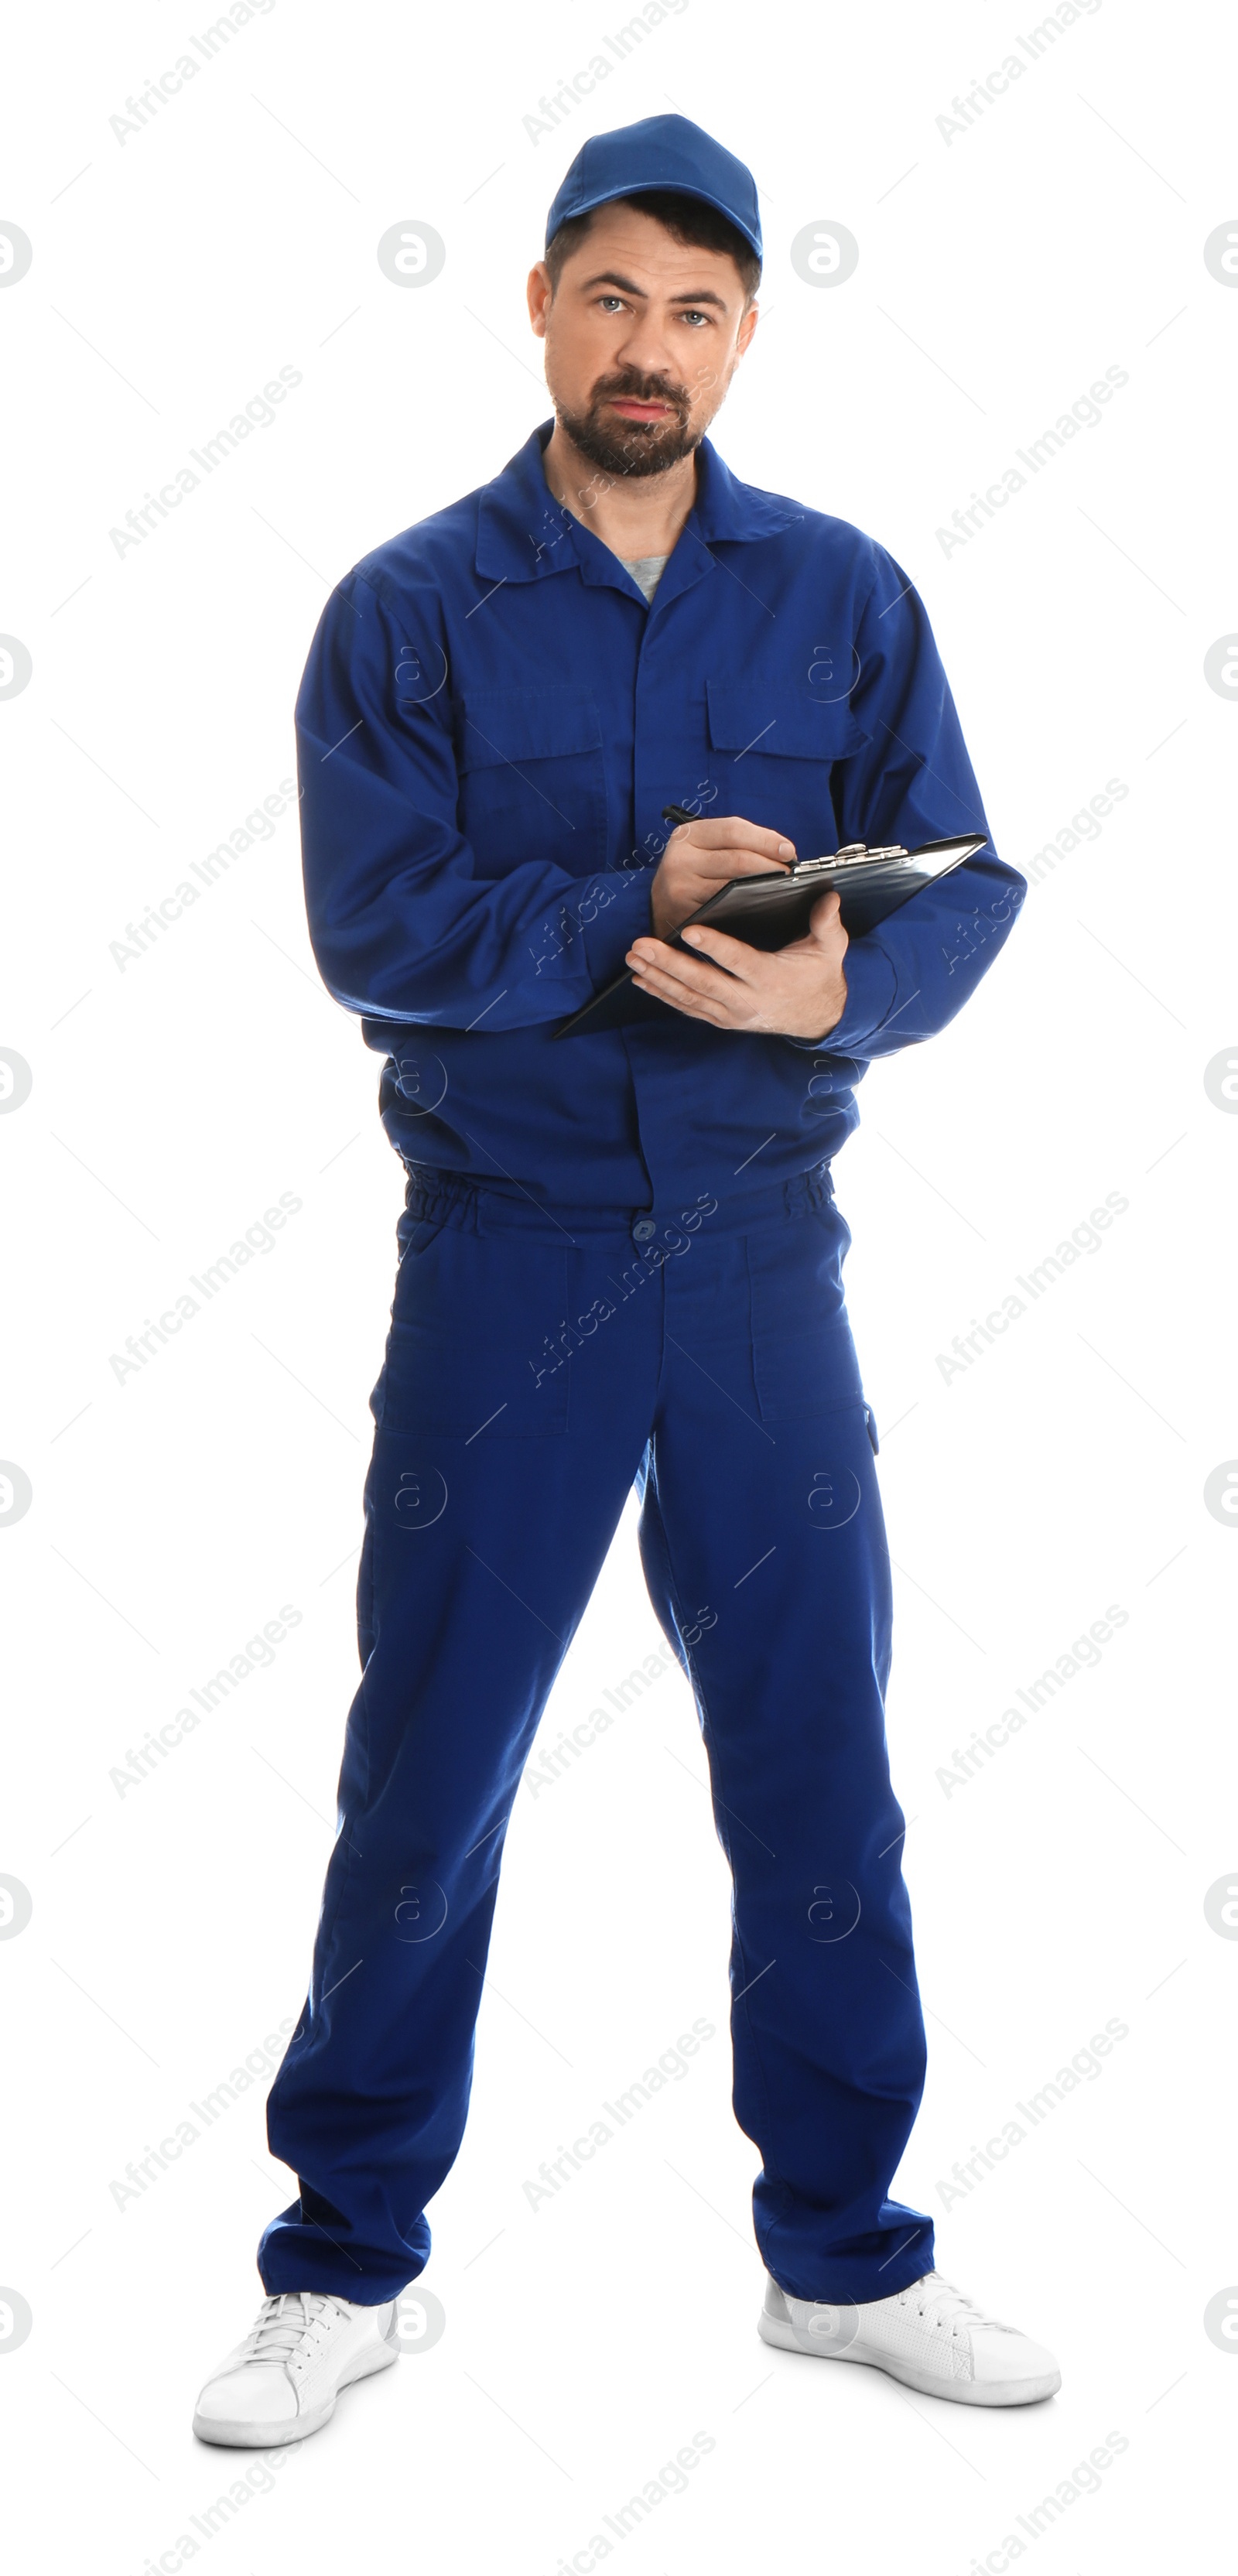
<point x="1000" y="272"/>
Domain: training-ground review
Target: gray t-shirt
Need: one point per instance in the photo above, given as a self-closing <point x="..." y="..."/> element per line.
<point x="646" y="570"/>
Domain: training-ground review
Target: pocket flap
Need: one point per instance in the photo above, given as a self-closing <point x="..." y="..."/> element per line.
<point x="756" y="716"/>
<point x="495" y="725"/>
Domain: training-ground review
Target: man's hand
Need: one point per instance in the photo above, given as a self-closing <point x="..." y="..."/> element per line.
<point x="702" y="856"/>
<point x="799" y="991"/>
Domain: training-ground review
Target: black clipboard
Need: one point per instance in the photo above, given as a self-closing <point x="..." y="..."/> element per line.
<point x="770" y="911"/>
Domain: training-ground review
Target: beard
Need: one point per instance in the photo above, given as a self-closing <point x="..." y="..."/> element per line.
<point x="632" y="448"/>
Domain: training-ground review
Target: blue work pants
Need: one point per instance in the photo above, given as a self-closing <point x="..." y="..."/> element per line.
<point x="540" y="1362"/>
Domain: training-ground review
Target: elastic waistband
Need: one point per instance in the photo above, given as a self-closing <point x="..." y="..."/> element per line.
<point x="451" y="1198"/>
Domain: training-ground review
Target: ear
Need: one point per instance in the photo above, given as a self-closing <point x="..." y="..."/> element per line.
<point x="541" y="295"/>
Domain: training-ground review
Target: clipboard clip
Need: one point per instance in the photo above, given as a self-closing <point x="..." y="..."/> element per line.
<point x="853" y="854"/>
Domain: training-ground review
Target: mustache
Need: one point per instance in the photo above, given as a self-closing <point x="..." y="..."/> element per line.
<point x="629" y="385"/>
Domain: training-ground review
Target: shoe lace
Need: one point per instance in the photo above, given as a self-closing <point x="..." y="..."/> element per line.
<point x="942" y="2306"/>
<point x="283" y="2322"/>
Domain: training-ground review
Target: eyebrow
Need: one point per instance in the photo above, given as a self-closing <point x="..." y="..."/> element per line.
<point x="610" y="277"/>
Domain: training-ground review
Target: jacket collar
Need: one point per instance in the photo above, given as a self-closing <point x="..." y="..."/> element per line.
<point x="524" y="534"/>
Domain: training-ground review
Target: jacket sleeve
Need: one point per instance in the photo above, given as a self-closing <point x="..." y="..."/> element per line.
<point x="404" y="922"/>
<point x="912" y="782"/>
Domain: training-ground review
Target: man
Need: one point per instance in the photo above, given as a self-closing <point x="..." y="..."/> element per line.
<point x="620" y="1261"/>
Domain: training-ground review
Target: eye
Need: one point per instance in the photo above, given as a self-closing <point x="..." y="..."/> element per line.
<point x="614" y="301"/>
<point x="692" y="316"/>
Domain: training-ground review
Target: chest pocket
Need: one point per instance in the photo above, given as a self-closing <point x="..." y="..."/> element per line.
<point x="774" y="747"/>
<point x="532" y="778"/>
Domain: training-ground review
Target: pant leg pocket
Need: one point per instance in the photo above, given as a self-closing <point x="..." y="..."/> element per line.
<point x="470" y="1320"/>
<point x="804" y="1359"/>
<point x="415" y="1234"/>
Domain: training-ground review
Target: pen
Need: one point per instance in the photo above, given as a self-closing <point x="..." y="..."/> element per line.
<point x="676" y="814"/>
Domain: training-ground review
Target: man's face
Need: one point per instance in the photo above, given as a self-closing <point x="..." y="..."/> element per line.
<point x="642" y="340"/>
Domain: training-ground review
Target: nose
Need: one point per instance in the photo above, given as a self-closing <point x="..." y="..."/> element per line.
<point x="645" y="352"/>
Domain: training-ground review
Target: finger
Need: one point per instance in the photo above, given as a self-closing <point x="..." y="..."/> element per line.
<point x="734" y="954"/>
<point x="691" y="975"/>
<point x="665" y="989"/>
<point x="670" y="972"/>
<point x="718" y="865"/>
<point x="825" y="912"/>
<point x="732" y="832"/>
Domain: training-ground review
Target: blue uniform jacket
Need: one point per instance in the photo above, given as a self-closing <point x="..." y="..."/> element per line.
<point x="490" y="722"/>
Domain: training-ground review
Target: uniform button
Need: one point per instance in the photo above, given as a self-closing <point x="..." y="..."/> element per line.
<point x="643" y="1228"/>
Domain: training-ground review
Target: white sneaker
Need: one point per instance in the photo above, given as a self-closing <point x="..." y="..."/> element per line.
<point x="282" y="2381"/>
<point x="929" y="2336"/>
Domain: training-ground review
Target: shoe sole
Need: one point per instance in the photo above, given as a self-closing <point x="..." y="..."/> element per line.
<point x="957" y="2392"/>
<point x="271" y="2437"/>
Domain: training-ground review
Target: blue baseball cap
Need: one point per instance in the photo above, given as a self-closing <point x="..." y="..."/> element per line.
<point x="659" y="152"/>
